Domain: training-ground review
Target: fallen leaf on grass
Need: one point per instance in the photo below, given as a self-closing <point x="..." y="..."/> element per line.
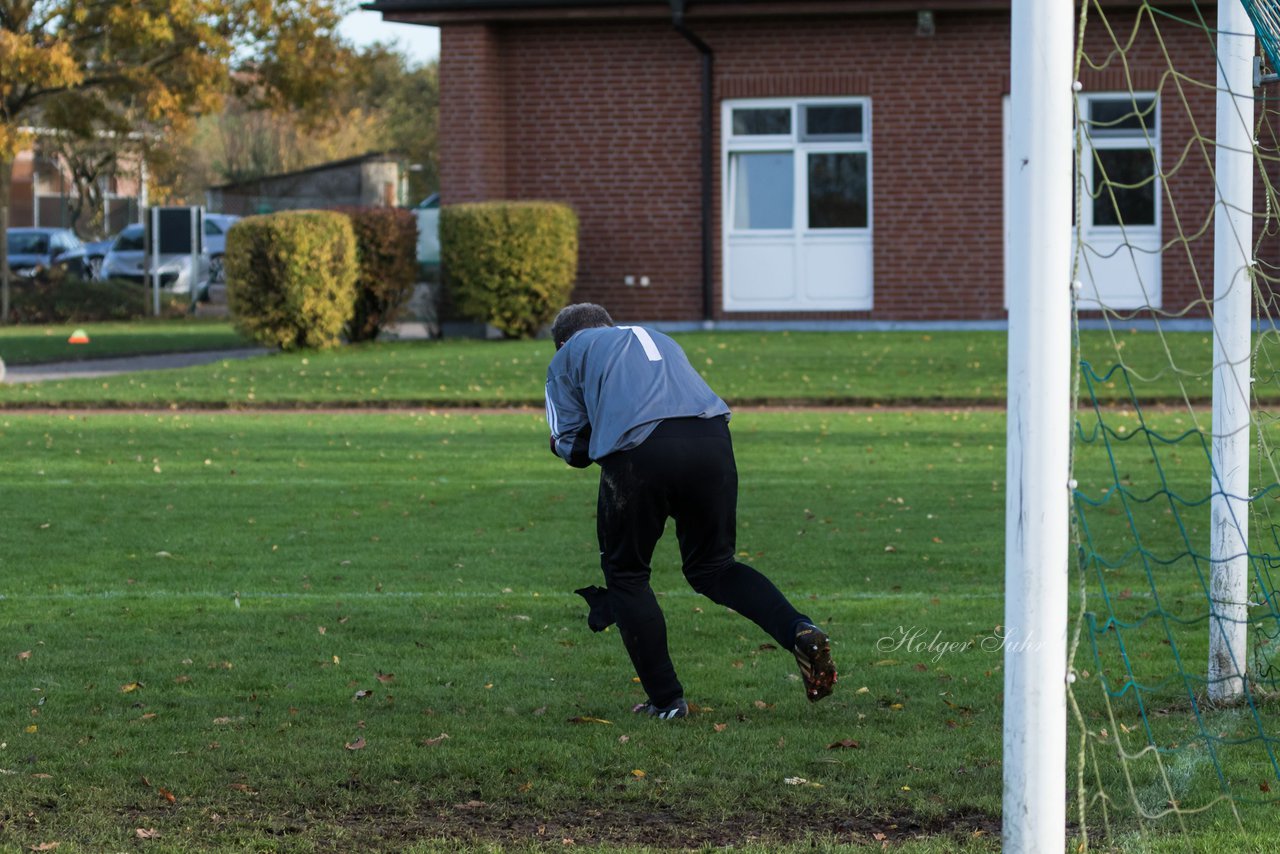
<point x="638" y="774"/>
<point x="471" y="805"/>
<point x="801" y="781"/>
<point x="31" y="729"/>
<point x="386" y="678"/>
<point x="583" y="719"/>
<point x="848" y="743"/>
<point x="432" y="742"/>
<point x="167" y="795"/>
<point x="130" y="687"/>
<point x="23" y="656"/>
<point x="243" y="787"/>
<point x="44" y="846"/>
<point x="720" y="727"/>
<point x="762" y="705"/>
<point x="146" y="833"/>
<point x="358" y="744"/>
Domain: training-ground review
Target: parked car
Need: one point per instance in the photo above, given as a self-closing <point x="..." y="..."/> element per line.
<point x="94" y="252"/>
<point x="216" y="227"/>
<point x="34" y="250"/>
<point x="127" y="260"/>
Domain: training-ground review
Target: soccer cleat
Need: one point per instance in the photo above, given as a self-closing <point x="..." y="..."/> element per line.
<point x="677" y="709"/>
<point x="813" y="653"/>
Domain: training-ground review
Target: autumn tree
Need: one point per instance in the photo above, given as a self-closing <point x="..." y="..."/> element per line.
<point x="147" y="68"/>
<point x="405" y="98"/>
<point x="383" y="102"/>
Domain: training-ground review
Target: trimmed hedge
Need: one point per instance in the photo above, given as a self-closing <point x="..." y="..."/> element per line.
<point x="509" y="264"/>
<point x="56" y="297"/>
<point x="291" y="277"/>
<point x="386" y="249"/>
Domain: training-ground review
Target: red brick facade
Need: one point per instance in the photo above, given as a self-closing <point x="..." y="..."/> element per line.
<point x="604" y="115"/>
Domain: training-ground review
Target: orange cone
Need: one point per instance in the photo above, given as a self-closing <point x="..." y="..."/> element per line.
<point x="78" y="337"/>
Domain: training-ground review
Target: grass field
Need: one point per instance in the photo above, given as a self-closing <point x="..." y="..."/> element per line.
<point x="203" y="597"/>
<point x="812" y="368"/>
<point x="31" y="345"/>
<point x="308" y="631"/>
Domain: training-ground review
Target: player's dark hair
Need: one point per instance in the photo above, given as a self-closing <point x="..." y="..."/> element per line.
<point x="576" y="317"/>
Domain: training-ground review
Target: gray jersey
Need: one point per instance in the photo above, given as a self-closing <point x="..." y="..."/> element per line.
<point x="609" y="387"/>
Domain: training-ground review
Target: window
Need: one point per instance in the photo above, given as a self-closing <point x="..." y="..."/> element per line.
<point x="830" y="149"/>
<point x="1122" y="135"/>
<point x="1119" y="136"/>
<point x="764" y="190"/>
<point x="797" y="206"/>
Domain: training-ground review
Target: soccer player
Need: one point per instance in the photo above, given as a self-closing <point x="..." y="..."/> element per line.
<point x="627" y="398"/>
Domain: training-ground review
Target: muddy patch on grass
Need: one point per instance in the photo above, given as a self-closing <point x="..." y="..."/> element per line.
<point x="479" y="824"/>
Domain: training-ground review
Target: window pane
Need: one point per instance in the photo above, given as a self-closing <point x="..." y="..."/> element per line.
<point x="767" y="121"/>
<point x="764" y="190"/>
<point x="1122" y="116"/>
<point x="838" y="190"/>
<point x="1134" y="203"/>
<point x="832" y="122"/>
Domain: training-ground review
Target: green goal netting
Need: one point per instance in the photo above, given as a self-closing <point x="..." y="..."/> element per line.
<point x="1162" y="751"/>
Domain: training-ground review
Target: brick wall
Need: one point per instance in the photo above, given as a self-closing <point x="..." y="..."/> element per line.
<point x="605" y="116"/>
<point x="473" y="117"/>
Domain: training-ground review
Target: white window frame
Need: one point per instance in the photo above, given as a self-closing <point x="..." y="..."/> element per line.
<point x="1143" y="139"/>
<point x="800" y="234"/>
<point x="1126" y="248"/>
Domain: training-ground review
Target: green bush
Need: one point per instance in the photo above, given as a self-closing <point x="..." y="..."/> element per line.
<point x="386" y="249"/>
<point x="291" y="277"/>
<point x="56" y="297"/>
<point x="510" y="264"/>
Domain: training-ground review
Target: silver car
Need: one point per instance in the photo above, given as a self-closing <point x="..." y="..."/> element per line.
<point x="216" y="227"/>
<point x="126" y="260"/>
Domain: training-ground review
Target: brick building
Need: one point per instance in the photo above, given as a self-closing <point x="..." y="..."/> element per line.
<point x="43" y="193"/>
<point x="854" y="149"/>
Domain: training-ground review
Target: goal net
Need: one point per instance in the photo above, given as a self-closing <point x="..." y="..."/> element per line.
<point x="1175" y="639"/>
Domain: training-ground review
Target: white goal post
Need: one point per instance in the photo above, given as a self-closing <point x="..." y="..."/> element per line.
<point x="1037" y="497"/>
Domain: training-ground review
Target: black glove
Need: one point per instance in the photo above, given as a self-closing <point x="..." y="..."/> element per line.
<point x="601" y="614"/>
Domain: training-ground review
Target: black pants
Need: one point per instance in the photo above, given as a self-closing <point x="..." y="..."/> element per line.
<point x="685" y="470"/>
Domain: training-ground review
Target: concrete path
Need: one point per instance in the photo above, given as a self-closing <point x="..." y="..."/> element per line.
<point x="124" y="365"/>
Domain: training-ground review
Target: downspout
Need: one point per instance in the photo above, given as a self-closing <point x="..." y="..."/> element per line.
<point x="708" y="61"/>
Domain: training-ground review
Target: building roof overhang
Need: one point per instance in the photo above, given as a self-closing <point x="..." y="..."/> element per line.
<point x="440" y="12"/>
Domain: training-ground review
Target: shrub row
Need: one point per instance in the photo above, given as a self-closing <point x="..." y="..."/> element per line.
<point x="304" y="278"/>
<point x="510" y="264"/>
<point x="58" y="297"/>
